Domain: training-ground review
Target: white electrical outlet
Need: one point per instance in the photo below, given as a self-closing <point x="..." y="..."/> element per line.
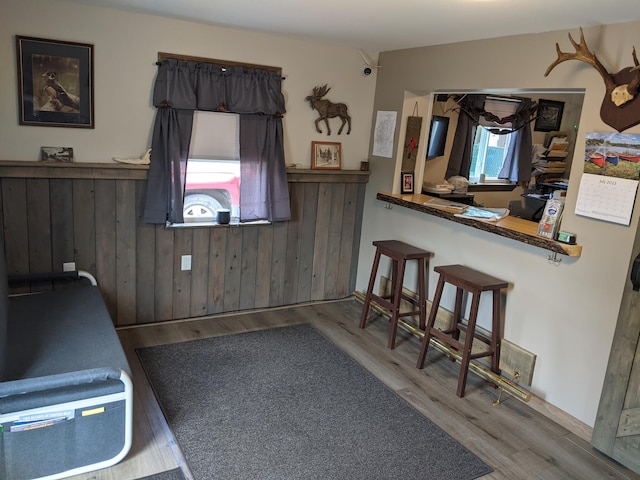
<point x="69" y="267"/>
<point x="186" y="262"/>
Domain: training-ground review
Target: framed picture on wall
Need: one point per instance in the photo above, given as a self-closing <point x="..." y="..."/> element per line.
<point x="549" y="116"/>
<point x="326" y="155"/>
<point x="407" y="183"/>
<point x="55" y="83"/>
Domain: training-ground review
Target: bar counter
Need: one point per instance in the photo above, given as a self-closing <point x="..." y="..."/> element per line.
<point x="515" y="228"/>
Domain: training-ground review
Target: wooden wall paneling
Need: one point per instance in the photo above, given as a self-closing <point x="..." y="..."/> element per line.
<point x="183" y="245"/>
<point x="16" y="234"/>
<point x="217" y="258"/>
<point x="39" y="228"/>
<point x="249" y="267"/>
<point x="335" y="235"/>
<point x="263" y="266"/>
<point x="164" y="274"/>
<point x="357" y="237"/>
<point x="126" y="251"/>
<point x="105" y="195"/>
<point x="232" y="269"/>
<point x="145" y="261"/>
<point x="199" y="272"/>
<point x="62" y="235"/>
<point x="84" y="225"/>
<point x="321" y="241"/>
<point x="307" y="242"/>
<point x="95" y="219"/>
<point x="296" y="195"/>
<point x="346" y="239"/>
<point x="278" y="264"/>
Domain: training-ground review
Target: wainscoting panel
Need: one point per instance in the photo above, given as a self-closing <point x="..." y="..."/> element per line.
<point x="53" y="215"/>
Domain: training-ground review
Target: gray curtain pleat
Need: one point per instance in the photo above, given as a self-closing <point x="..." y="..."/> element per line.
<point x="169" y="152"/>
<point x="517" y="162"/>
<point x="182" y="87"/>
<point x="262" y="170"/>
<point x="462" y="147"/>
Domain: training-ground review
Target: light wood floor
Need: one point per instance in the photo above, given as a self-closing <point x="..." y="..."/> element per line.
<point x="515" y="439"/>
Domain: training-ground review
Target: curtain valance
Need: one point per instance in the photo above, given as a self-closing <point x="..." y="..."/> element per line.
<point x="205" y="86"/>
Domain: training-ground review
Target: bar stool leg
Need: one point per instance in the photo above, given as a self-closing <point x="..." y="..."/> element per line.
<point x="457" y="314"/>
<point x="397" y="298"/>
<point x="430" y="323"/>
<point x="422" y="296"/>
<point x="495" y="333"/>
<point x="468" y="343"/>
<point x="372" y="281"/>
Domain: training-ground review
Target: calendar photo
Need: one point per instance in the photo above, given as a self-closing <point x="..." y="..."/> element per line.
<point x="613" y="155"/>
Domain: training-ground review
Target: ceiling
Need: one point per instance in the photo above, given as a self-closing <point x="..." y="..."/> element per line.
<point x="384" y="25"/>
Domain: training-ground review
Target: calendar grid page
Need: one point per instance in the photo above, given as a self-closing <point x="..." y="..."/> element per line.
<point x="606" y="198"/>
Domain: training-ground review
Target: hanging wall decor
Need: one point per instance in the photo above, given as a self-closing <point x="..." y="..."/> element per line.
<point x="621" y="104"/>
<point x="327" y="109"/>
<point x="55" y="83"/>
<point x="411" y="141"/>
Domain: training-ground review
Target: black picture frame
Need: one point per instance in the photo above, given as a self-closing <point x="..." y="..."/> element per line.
<point x="407" y="182"/>
<point x="55" y="83"/>
<point x="549" y="116"/>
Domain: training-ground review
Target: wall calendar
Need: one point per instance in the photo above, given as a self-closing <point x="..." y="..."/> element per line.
<point x="606" y="198"/>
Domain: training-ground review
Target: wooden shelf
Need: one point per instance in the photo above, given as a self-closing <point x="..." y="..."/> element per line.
<point x="300" y="175"/>
<point x="518" y="229"/>
<point x="24" y="169"/>
<point x="20" y="169"/>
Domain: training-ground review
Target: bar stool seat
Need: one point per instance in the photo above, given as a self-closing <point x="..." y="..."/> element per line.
<point x="399" y="253"/>
<point x="474" y="282"/>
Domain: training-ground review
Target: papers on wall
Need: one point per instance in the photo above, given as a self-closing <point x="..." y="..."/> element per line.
<point x="606" y="198"/>
<point x="383" y="134"/>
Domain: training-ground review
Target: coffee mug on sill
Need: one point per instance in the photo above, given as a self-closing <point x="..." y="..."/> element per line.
<point x="223" y="217"/>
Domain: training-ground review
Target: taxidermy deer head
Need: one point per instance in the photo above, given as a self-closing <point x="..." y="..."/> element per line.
<point x="621" y="106"/>
<point x="328" y="110"/>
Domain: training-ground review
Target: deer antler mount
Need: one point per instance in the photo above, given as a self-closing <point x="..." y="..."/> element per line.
<point x="621" y="105"/>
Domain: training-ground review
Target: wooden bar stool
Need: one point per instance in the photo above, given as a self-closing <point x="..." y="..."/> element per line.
<point x="399" y="253"/>
<point x="474" y="282"/>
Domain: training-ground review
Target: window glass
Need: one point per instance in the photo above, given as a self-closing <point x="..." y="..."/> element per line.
<point x="489" y="150"/>
<point x="213" y="169"/>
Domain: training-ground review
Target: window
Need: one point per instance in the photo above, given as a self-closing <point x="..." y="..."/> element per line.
<point x="489" y="150"/>
<point x="213" y="168"/>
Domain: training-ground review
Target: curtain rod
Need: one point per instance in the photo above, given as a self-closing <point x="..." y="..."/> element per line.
<point x="225" y="63"/>
<point x="504" y="99"/>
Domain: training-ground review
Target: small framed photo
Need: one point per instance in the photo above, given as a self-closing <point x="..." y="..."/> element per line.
<point x="326" y="155"/>
<point x="549" y="116"/>
<point x="56" y="154"/>
<point x="407" y="183"/>
<point x="55" y="83"/>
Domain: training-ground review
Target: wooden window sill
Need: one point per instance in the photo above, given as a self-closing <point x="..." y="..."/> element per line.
<point x="518" y="229"/>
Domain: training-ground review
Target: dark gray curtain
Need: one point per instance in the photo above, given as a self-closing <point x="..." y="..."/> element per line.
<point x="182" y="87"/>
<point x="262" y="170"/>
<point x="517" y="161"/>
<point x="169" y="151"/>
<point x="462" y="147"/>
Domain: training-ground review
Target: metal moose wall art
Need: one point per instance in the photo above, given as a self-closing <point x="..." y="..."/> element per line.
<point x="621" y="104"/>
<point x="327" y="109"/>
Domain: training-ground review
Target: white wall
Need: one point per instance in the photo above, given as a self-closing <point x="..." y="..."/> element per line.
<point x="125" y="48"/>
<point x="564" y="313"/>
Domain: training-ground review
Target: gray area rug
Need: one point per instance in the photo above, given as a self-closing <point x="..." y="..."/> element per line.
<point x="285" y="404"/>
<point x="175" y="474"/>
